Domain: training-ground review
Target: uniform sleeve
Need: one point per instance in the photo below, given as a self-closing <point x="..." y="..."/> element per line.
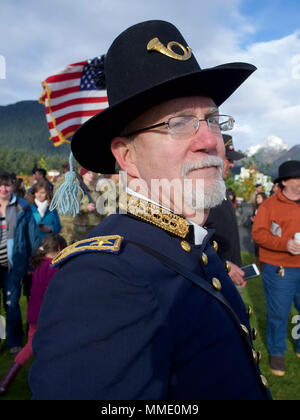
<point x="261" y="233"/>
<point x="100" y="335"/>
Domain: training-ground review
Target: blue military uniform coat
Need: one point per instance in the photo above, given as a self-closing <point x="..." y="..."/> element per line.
<point x="121" y="325"/>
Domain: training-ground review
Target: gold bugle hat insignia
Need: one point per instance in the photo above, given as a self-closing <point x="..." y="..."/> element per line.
<point x="156" y="45"/>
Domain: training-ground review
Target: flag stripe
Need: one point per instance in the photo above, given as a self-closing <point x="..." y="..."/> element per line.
<point x="71" y="129"/>
<point x="68" y="111"/>
<point x="71" y="98"/>
<point x="62" y="92"/>
<point x="76" y="101"/>
<point x="76" y="114"/>
<point x="65" y="124"/>
<point x="80" y="95"/>
<point x="64" y="77"/>
<point x="79" y="65"/>
<point x="66" y="84"/>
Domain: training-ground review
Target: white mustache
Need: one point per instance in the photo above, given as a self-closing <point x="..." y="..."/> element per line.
<point x="206" y="162"/>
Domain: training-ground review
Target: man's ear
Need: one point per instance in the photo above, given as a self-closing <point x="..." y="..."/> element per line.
<point x="124" y="153"/>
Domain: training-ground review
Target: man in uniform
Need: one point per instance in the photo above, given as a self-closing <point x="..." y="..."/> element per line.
<point x="143" y="308"/>
<point x="223" y="219"/>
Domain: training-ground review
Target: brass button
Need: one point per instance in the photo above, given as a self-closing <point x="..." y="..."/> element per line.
<point x="216" y="284"/>
<point x="227" y="266"/>
<point x="259" y="356"/>
<point x="215" y="246"/>
<point x="250" y="312"/>
<point x="264" y="381"/>
<point x="186" y="246"/>
<point x="254" y="333"/>
<point x="204" y="258"/>
<point x="245" y="329"/>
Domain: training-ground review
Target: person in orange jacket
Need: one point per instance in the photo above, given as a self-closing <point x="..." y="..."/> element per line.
<point x="275" y="225"/>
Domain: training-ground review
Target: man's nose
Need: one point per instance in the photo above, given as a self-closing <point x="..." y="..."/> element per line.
<point x="205" y="139"/>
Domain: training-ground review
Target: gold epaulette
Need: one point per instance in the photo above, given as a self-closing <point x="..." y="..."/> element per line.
<point x="110" y="244"/>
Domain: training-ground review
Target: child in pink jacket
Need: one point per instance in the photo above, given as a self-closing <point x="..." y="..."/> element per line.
<point x="43" y="273"/>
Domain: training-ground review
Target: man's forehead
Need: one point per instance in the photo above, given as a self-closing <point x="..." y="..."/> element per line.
<point x="187" y="105"/>
<point x="190" y="103"/>
<point x="200" y="106"/>
<point x="296" y="178"/>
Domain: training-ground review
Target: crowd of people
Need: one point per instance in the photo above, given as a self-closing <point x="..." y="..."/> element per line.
<point x="26" y="221"/>
<point x="150" y="303"/>
<point x="31" y="235"/>
<point x="275" y="229"/>
<point x="276" y="258"/>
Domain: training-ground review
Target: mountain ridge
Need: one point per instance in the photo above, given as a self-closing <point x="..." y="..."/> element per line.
<point x="272" y="142"/>
<point x="268" y="157"/>
<point x="23" y="126"/>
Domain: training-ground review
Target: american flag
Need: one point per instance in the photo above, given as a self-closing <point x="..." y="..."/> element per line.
<point x="72" y="96"/>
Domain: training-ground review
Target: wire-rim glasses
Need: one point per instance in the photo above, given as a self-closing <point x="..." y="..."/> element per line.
<point x="186" y="125"/>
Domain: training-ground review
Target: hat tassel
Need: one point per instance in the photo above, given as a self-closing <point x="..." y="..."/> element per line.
<point x="66" y="198"/>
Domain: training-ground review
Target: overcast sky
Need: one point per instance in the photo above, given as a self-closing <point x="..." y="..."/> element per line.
<point x="37" y="38"/>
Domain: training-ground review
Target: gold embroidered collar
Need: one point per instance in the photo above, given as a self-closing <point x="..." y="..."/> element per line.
<point x="154" y="214"/>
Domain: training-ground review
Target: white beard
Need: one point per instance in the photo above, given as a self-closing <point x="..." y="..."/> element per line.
<point x="205" y="195"/>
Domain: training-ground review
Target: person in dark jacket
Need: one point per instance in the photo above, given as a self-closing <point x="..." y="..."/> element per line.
<point x="40" y="174"/>
<point x="223" y="219"/>
<point x="144" y="308"/>
<point x="18" y="239"/>
<point x="259" y="199"/>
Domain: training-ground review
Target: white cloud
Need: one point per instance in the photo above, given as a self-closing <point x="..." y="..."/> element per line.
<point x="269" y="104"/>
<point x="38" y="38"/>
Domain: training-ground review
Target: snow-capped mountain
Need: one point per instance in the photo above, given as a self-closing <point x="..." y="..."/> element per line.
<point x="273" y="143"/>
<point x="269" y="155"/>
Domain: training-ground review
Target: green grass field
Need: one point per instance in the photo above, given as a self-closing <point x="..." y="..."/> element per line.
<point x="19" y="389"/>
<point x="286" y="388"/>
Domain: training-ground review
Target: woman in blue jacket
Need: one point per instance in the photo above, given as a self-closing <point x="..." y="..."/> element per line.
<point x="46" y="220"/>
<point x="18" y="239"/>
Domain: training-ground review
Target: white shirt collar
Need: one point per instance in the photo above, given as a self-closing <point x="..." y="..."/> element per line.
<point x="199" y="233"/>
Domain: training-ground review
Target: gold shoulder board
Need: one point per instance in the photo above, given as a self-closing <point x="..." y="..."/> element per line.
<point x="110" y="244"/>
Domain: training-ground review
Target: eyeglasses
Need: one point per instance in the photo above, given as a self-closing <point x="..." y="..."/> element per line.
<point x="187" y="125"/>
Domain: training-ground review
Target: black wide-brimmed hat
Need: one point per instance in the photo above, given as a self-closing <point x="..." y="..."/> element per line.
<point x="147" y="64"/>
<point x="230" y="153"/>
<point x="288" y="169"/>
